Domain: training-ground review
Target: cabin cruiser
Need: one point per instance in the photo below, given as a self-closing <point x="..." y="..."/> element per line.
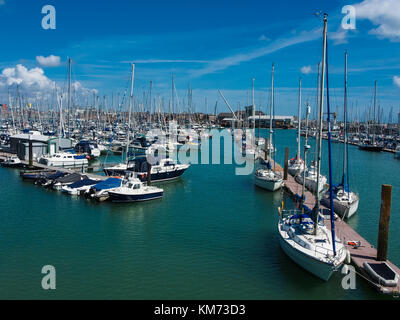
<point x="369" y="145"/>
<point x="64" y="159"/>
<point x="89" y="148"/>
<point x="100" y="191"/>
<point x="12" y="162"/>
<point x="165" y="169"/>
<point x="133" y="190"/>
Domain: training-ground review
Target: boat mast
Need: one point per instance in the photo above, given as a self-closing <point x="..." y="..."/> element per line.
<point x="306" y="148"/>
<point x="299" y="124"/>
<point x="373" y="133"/>
<point x="69" y="94"/>
<point x="270" y="144"/>
<point x="320" y="114"/>
<point x="345" y="121"/>
<point x="130" y="111"/>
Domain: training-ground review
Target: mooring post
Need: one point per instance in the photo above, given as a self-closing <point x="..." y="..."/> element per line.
<point x="383" y="236"/>
<point x="30" y="153"/>
<point x="285" y="173"/>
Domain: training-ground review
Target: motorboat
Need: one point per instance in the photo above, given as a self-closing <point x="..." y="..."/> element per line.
<point x="134" y="190"/>
<point x="79" y="187"/>
<point x="12" y="162"/>
<point x="164" y="169"/>
<point x="64" y="159"/>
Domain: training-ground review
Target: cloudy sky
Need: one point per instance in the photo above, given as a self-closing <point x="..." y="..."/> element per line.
<point x="210" y="44"/>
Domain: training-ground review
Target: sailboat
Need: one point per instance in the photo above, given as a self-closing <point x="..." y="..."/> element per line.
<point x="371" y="144"/>
<point x="345" y="202"/>
<point x="307" y="241"/>
<point x="267" y="177"/>
<point x="296" y="165"/>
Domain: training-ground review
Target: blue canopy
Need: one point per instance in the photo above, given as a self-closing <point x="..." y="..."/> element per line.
<point x="110" y="183"/>
<point x="82" y="183"/>
<point x="57" y="175"/>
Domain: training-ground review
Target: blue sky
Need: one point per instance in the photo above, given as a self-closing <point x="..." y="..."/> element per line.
<point x="211" y="44"/>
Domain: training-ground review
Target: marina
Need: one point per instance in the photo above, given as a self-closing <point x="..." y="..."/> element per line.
<point x="204" y="156"/>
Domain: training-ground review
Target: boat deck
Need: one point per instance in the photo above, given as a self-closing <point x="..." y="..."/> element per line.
<point x="364" y="253"/>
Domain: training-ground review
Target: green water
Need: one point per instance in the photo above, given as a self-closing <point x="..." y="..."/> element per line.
<point x="212" y="236"/>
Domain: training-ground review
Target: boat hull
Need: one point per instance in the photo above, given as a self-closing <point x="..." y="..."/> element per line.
<point x="118" y="197"/>
<point x="342" y="209"/>
<point x="155" y="177"/>
<point x="267" y="184"/>
<point x="317" y="268"/>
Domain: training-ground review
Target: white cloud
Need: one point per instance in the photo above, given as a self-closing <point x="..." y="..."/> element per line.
<point x="306" y="69"/>
<point x="385" y="14"/>
<point x="396" y="81"/>
<point x="50" y="61"/>
<point x="32" y="79"/>
<point x="33" y="82"/>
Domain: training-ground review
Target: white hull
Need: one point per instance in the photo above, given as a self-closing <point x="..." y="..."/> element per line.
<point x="268" y="184"/>
<point x="342" y="209"/>
<point x="314" y="260"/>
<point x="319" y="269"/>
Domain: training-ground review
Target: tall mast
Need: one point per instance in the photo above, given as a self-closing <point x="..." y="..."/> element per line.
<point x="321" y="113"/>
<point x="299" y="123"/>
<point x="253" y="103"/>
<point x="69" y="93"/>
<point x="130" y="110"/>
<point x="270" y="144"/>
<point x="345" y="121"/>
<point x="373" y="133"/>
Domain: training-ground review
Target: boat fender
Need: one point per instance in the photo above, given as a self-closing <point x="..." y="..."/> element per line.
<point x="348" y="257"/>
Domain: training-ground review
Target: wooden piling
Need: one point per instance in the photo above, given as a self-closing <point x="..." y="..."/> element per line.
<point x="285" y="172"/>
<point x="383" y="236"/>
<point x="30" y="154"/>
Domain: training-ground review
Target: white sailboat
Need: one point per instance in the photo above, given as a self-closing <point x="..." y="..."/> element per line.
<point x="308" y="242"/>
<point x="345" y="202"/>
<point x="267" y="177"/>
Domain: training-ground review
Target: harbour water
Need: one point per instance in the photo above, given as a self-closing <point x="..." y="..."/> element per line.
<point x="212" y="236"/>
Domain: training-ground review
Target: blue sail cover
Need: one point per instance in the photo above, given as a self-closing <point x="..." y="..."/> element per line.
<point x="110" y="183"/>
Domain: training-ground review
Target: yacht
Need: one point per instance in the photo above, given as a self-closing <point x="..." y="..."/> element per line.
<point x="12" y="162"/>
<point x="133" y="190"/>
<point x="268" y="179"/>
<point x="64" y="159"/>
<point x="165" y="169"/>
<point x="305" y="240"/>
<point x="312" y="251"/>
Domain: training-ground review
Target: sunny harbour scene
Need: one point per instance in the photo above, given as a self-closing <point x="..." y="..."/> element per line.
<point x="213" y="150"/>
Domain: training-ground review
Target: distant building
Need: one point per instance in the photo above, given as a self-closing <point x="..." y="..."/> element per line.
<point x="19" y="144"/>
<point x="263" y="121"/>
